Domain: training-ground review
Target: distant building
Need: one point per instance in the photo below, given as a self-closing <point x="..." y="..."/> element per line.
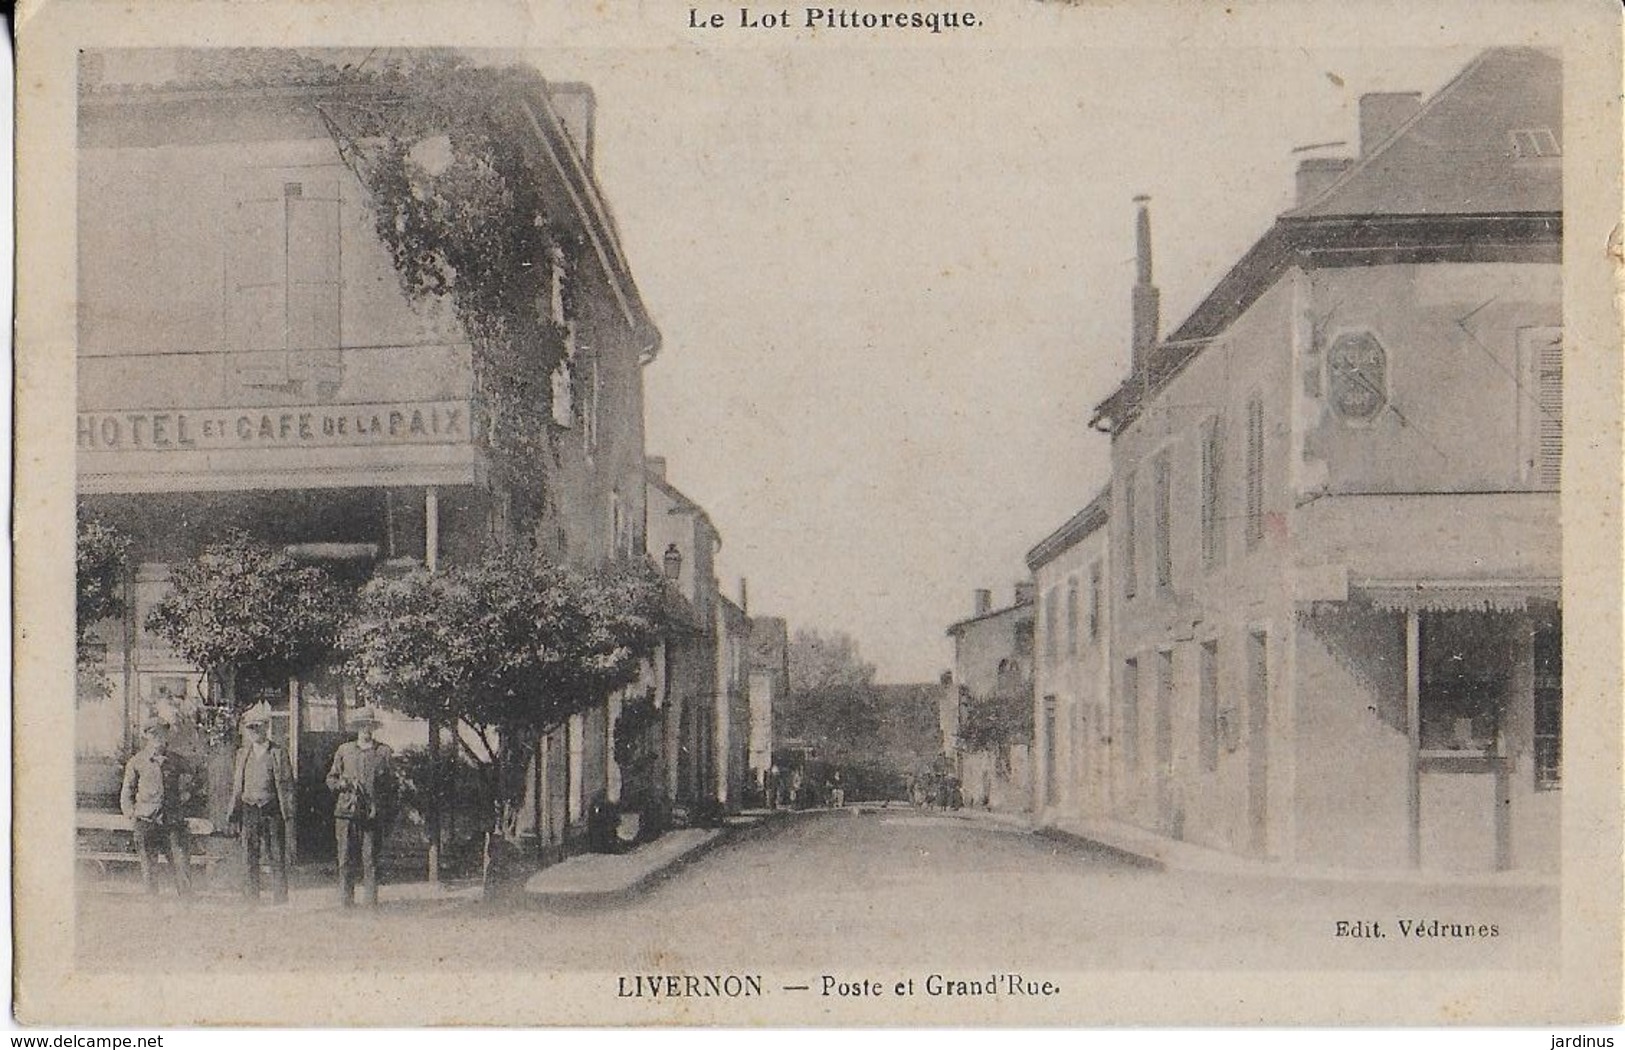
<point x="993" y="666"/>
<point x="769" y="685"/>
<point x="703" y="676"/>
<point x="1072" y="730"/>
<point x="1336" y="630"/>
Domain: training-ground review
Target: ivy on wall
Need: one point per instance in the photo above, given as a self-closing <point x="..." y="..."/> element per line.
<point x="437" y="145"/>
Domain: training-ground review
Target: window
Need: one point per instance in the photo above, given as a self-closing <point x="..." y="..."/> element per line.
<point x="1165" y="712"/>
<point x="282" y="265"/>
<point x="1255" y="471"/>
<point x="1131" y="714"/>
<point x="1050" y="751"/>
<point x="1212" y="485"/>
<point x="1072" y="617"/>
<point x="1540" y="406"/>
<point x="1162" y="521"/>
<point x="1094" y="602"/>
<point x="1130" y="578"/>
<point x="1052" y="614"/>
<point x="1207" y="706"/>
<point x="1358" y="376"/>
<point x="1549" y="705"/>
<point x="1534" y="143"/>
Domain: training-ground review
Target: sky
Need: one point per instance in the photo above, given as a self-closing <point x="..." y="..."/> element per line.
<point x="894" y="282"/>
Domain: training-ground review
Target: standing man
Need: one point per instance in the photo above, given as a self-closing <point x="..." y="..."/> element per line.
<point x="157" y="787"/>
<point x="363" y="784"/>
<point x="262" y="803"/>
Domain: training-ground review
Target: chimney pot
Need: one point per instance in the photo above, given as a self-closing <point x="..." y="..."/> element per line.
<point x="1024" y="591"/>
<point x="1382" y="113"/>
<point x="984" y="601"/>
<point x="657" y="466"/>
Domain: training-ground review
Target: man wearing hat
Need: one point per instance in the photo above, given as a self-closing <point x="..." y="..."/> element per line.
<point x="157" y="787"/>
<point x="363" y="785"/>
<point x="262" y="803"/>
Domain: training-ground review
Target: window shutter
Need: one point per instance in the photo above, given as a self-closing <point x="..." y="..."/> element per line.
<point x="1130" y="575"/>
<point x="1255" y="471"/>
<point x="1549" y="394"/>
<point x="1162" y="513"/>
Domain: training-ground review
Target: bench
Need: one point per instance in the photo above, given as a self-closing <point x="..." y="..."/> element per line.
<point x="107" y="839"/>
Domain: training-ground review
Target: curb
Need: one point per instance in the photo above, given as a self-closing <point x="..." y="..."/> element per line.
<point x="568" y="899"/>
<point x="1145" y="861"/>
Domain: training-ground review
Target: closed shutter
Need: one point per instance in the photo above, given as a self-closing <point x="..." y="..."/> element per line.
<point x="1549" y="391"/>
<point x="1255" y="471"/>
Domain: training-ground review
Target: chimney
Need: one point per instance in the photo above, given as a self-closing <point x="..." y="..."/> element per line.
<point x="1317" y="173"/>
<point x="744" y="596"/>
<point x="1381" y="114"/>
<point x="575" y="105"/>
<point x="657" y="466"/>
<point x="1146" y="297"/>
<point x="984" y="602"/>
<point x="1024" y="592"/>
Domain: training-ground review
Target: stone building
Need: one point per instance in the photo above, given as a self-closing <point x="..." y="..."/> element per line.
<point x="247" y="358"/>
<point x="992" y="676"/>
<point x="1072" y="730"/>
<point x="1336" y="623"/>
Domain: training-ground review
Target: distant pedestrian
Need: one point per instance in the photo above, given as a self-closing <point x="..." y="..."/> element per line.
<point x="158" y="786"/>
<point x="262" y="804"/>
<point x="363" y="782"/>
<point x="837" y="791"/>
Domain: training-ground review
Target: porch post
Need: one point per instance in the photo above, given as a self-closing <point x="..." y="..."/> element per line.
<point x="431" y="561"/>
<point x="290" y="840"/>
<point x="1413" y="719"/>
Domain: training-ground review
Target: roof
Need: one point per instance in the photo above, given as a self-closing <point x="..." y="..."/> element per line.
<point x="1024" y="605"/>
<point x="1451" y="184"/>
<point x="1458" y="154"/>
<point x="1085" y="522"/>
<point x="681" y="503"/>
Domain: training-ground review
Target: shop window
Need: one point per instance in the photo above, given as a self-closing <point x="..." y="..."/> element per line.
<point x="1548" y="654"/>
<point x="1466" y="680"/>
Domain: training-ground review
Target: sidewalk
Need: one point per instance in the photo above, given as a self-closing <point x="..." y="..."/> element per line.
<point x="590" y="878"/>
<point x="1149" y="849"/>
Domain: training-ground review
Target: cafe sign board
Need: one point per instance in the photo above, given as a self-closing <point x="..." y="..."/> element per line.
<point x="306" y="426"/>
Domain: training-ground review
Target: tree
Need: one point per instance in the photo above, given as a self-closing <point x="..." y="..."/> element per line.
<point x="243" y="606"/>
<point x="506" y="648"/>
<point x="819" y="661"/>
<point x="102" y="558"/>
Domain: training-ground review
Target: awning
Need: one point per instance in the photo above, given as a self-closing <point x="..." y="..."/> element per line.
<point x="1502" y="596"/>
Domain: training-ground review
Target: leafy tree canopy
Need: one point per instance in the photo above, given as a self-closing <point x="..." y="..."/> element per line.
<point x="101" y="559"/>
<point x="246" y="605"/>
<point x="507" y="643"/>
